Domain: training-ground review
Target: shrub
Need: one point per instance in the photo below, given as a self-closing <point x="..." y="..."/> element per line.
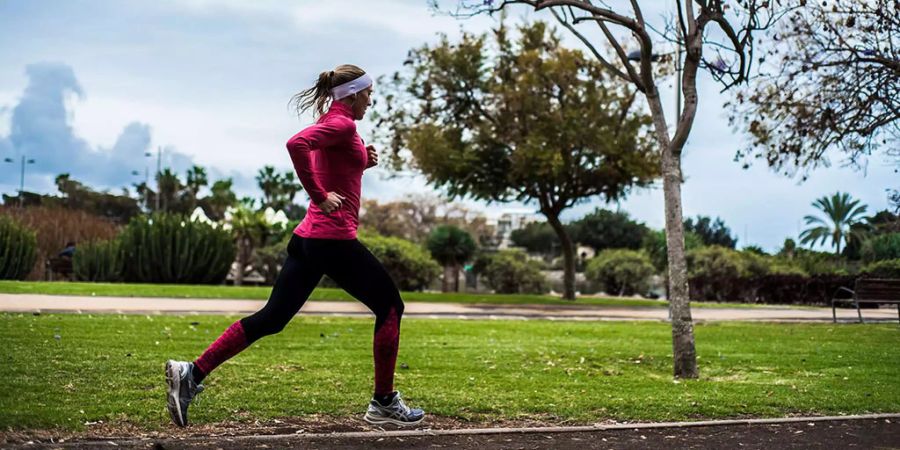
<point x="656" y="247"/>
<point x="169" y="248"/>
<point x="889" y="268"/>
<point x="18" y="247"/>
<point x="879" y="248"/>
<point x="820" y="263"/>
<point x="713" y="270"/>
<point x="54" y="227"/>
<point x="410" y="265"/>
<point x="99" y="261"/>
<point x="620" y="271"/>
<point x="511" y="272"/>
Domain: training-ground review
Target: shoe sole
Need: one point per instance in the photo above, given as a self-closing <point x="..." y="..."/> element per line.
<point x="173" y="382"/>
<point x="383" y="420"/>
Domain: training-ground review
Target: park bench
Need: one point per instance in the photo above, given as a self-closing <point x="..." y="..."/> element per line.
<point x="58" y="265"/>
<point x="869" y="290"/>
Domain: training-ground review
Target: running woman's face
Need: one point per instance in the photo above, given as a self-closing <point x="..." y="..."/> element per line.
<point x="362" y="103"/>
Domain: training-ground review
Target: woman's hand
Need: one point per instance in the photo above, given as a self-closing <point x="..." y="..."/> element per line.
<point x="331" y="203"/>
<point x="373" y="156"/>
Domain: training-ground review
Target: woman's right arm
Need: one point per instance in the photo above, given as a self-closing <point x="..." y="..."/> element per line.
<point x="318" y="136"/>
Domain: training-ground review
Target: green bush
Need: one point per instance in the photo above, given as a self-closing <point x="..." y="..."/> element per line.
<point x="18" y="247"/>
<point x="820" y="263"/>
<point x="410" y="265"/>
<point x="889" y="268"/>
<point x="169" y="248"/>
<point x="879" y="248"/>
<point x="99" y="261"/>
<point x="656" y="247"/>
<point x="511" y="272"/>
<point x="620" y="271"/>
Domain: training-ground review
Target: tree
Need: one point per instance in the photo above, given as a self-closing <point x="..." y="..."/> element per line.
<point x="728" y="30"/>
<point x="710" y="232"/>
<point x="170" y="188"/>
<point x="451" y="247"/>
<point x="76" y="195"/>
<point x="603" y="229"/>
<point x="523" y="119"/>
<point x="537" y="237"/>
<point x="279" y="189"/>
<point x="250" y="230"/>
<point x="220" y="198"/>
<point x="831" y="81"/>
<point x="195" y="180"/>
<point x="842" y="215"/>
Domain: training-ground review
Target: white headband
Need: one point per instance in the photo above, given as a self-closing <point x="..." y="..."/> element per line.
<point x="351" y="87"/>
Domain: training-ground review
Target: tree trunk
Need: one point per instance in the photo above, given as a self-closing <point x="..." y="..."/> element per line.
<point x="242" y="257"/>
<point x="683" y="350"/>
<point x="445" y="282"/>
<point x="456" y="278"/>
<point x="568" y="249"/>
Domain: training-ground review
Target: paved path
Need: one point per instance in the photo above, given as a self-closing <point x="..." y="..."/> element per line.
<point x="142" y="305"/>
<point x="872" y="431"/>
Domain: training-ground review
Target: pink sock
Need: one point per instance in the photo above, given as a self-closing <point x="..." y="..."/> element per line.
<point x="230" y="343"/>
<point x="385" y="344"/>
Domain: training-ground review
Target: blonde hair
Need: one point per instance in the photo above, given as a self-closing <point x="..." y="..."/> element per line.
<point x="319" y="96"/>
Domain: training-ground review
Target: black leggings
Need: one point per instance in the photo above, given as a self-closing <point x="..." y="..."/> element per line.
<point x="347" y="262"/>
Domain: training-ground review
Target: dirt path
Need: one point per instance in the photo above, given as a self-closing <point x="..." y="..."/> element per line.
<point x="139" y="305"/>
<point x="858" y="433"/>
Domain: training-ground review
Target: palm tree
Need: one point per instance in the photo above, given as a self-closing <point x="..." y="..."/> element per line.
<point x="843" y="215"/>
<point x="279" y="189"/>
<point x="196" y="179"/>
<point x="451" y="246"/>
<point x="250" y="230"/>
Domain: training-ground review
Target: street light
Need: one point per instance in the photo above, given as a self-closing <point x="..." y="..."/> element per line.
<point x="22" y="177"/>
<point x="635" y="56"/>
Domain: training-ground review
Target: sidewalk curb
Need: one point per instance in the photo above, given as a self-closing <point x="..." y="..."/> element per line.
<point x="483" y="431"/>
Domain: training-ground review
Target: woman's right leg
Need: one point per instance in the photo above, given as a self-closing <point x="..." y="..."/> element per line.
<point x="298" y="277"/>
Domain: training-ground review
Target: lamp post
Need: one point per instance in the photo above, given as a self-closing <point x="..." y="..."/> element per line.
<point x="147" y="169"/>
<point x="635" y="56"/>
<point x="158" y="170"/>
<point x="22" y="177"/>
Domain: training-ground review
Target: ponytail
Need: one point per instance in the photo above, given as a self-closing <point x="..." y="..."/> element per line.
<point x="319" y="96"/>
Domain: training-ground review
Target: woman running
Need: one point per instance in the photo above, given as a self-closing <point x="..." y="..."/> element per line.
<point x="329" y="158"/>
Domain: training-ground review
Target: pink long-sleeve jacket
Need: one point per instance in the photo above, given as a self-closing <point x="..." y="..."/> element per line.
<point x="329" y="156"/>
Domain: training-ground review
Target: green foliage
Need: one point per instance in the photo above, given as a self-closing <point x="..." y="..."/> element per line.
<point x="840" y="226"/>
<point x="450" y="245"/>
<point x="655" y="246"/>
<point x="620" y="271"/>
<point x="885" y="246"/>
<point x="537" y="237"/>
<point x="168" y="248"/>
<point x="501" y="118"/>
<point x="604" y="229"/>
<point x="76" y="195"/>
<point x="279" y="190"/>
<point x="710" y="232"/>
<point x="888" y="268"/>
<point x="511" y="272"/>
<point x="99" y="261"/>
<point x="220" y="198"/>
<point x="820" y="263"/>
<point x="18" y="249"/>
<point x="410" y="265"/>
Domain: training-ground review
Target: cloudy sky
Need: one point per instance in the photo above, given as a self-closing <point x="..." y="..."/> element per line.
<point x="89" y="86"/>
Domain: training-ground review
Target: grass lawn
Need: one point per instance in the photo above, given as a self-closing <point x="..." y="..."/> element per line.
<point x="60" y="371"/>
<point x="262" y="293"/>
